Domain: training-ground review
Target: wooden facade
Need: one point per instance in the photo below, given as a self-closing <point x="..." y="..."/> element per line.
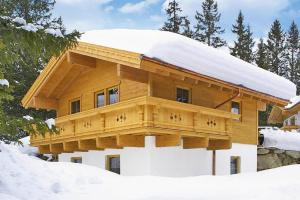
<point x="146" y="95"/>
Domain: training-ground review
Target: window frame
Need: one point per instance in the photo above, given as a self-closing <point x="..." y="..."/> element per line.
<point x="238" y="164"/>
<point x="240" y="109"/>
<point x="70" y="105"/>
<point x="107" y="162"/>
<point x="108" y="97"/>
<point x="184" y="88"/>
<point x="76" y="158"/>
<point x="96" y="99"/>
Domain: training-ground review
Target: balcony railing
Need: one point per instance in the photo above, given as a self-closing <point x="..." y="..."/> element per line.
<point x="142" y="116"/>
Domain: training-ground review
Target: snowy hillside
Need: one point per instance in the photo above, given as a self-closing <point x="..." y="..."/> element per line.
<point x="26" y="177"/>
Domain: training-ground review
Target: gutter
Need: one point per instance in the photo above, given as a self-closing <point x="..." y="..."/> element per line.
<point x="230" y="99"/>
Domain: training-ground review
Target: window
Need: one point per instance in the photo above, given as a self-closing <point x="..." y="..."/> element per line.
<point x="235" y="164"/>
<point x="76" y="160"/>
<point x="75" y="106"/>
<point x="235" y="107"/>
<point x="113" y="95"/>
<point x="113" y="163"/>
<point x="293" y="121"/>
<point x="100" y="99"/>
<point x="182" y="95"/>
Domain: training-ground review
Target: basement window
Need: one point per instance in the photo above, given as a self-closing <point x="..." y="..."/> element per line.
<point x="113" y="163"/>
<point x="76" y="160"/>
<point x="113" y="95"/>
<point x="75" y="106"/>
<point x="235" y="164"/>
<point x="100" y="99"/>
<point x="235" y="107"/>
<point x="182" y="95"/>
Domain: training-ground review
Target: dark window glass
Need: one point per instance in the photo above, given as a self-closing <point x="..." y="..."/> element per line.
<point x="113" y="95"/>
<point x="182" y="95"/>
<point x="235" y="107"/>
<point x="114" y="164"/>
<point x="75" y="106"/>
<point x="76" y="160"/>
<point x="235" y="165"/>
<point x="100" y="99"/>
<point x="293" y="121"/>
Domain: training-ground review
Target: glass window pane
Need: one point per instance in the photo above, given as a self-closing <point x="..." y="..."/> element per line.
<point x="234" y="165"/>
<point x="182" y="95"/>
<point x="235" y="107"/>
<point x="114" y="164"/>
<point x="75" y="106"/>
<point x="100" y="99"/>
<point x="113" y="95"/>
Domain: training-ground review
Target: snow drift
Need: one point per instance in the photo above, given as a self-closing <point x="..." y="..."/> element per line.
<point x="195" y="56"/>
<point x="24" y="177"/>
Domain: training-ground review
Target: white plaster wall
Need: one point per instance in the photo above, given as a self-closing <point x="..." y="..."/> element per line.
<point x="248" y="154"/>
<point x="169" y="161"/>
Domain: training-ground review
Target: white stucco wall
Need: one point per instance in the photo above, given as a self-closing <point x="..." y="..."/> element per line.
<point x="169" y="161"/>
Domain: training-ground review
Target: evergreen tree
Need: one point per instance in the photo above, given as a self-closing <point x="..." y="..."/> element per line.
<point x="261" y="55"/>
<point x="187" y="31"/>
<point x="277" y="50"/>
<point x="174" y="21"/>
<point x="26" y="45"/>
<point x="207" y="29"/>
<point x="243" y="47"/>
<point x="293" y="53"/>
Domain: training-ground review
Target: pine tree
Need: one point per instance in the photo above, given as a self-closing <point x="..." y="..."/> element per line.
<point x="187" y="31"/>
<point x="277" y="50"/>
<point x="261" y="55"/>
<point x="23" y="53"/>
<point x="243" y="47"/>
<point x="174" y="21"/>
<point x="207" y="29"/>
<point x="293" y="53"/>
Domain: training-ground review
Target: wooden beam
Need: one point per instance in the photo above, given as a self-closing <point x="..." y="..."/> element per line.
<point x="56" y="148"/>
<point x="219" y="144"/>
<point x="86" y="145"/>
<point x="71" y="146"/>
<point x="131" y="140"/>
<point x="45" y="103"/>
<point x="168" y="140"/>
<point x="44" y="149"/>
<point x="81" y="60"/>
<point x="195" y="142"/>
<point x="107" y="143"/>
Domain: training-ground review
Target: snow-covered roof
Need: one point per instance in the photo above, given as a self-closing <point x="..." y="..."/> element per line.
<point x="195" y="56"/>
<point x="293" y="101"/>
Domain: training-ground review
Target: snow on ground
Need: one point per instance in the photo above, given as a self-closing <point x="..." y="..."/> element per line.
<point x="24" y="177"/>
<point x="287" y="140"/>
<point x="194" y="56"/>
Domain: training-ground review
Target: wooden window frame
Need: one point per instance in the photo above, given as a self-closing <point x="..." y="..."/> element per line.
<point x="238" y="158"/>
<point x="95" y="98"/>
<point x="240" y="111"/>
<point x="107" y="94"/>
<point x="76" y="158"/>
<point x="70" y="105"/>
<point x="107" y="161"/>
<point x="184" y="88"/>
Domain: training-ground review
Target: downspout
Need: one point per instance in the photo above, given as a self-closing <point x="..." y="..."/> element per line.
<point x="214" y="155"/>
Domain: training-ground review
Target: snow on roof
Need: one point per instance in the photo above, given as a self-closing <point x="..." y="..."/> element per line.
<point x="286" y="140"/>
<point x="195" y="56"/>
<point x="293" y="101"/>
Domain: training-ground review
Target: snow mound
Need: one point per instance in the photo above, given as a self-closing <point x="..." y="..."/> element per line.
<point x="194" y="56"/>
<point x="23" y="177"/>
<point x="293" y="101"/>
<point x="286" y="140"/>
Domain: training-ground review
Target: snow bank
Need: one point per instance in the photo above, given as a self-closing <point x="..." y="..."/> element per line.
<point x="287" y="140"/>
<point x="293" y="102"/>
<point x="194" y="56"/>
<point x="23" y="177"/>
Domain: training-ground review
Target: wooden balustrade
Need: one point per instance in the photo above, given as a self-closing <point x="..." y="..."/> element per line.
<point x="169" y="121"/>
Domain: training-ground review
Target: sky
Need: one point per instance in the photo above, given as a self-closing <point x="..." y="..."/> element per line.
<point x="85" y="15"/>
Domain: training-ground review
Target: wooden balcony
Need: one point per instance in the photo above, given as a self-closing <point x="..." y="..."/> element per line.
<point x="125" y="124"/>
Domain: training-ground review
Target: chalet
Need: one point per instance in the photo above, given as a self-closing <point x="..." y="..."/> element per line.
<point x="145" y="102"/>
<point x="289" y="116"/>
